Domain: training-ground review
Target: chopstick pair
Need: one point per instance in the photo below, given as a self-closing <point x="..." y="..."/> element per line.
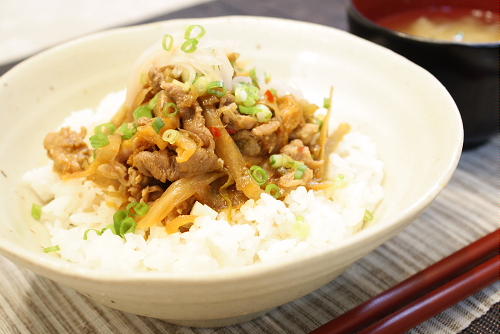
<point x="424" y="294"/>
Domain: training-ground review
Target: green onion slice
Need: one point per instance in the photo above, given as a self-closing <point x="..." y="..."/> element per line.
<point x="167" y="42"/>
<point x="253" y="76"/>
<point x="141" y="208"/>
<point x="215" y="84"/>
<point x="51" y="249"/>
<point x="169" y="106"/>
<point x="300" y="171"/>
<point x="246" y="94"/>
<point x="368" y="216"/>
<point x="170" y="136"/>
<point x="106" y="128"/>
<point x="127" y="225"/>
<point x="158" y="124"/>
<point x="153" y="102"/>
<point x="326" y="103"/>
<point x="248" y="110"/>
<point x="320" y="123"/>
<point x="259" y="174"/>
<point x="277" y="160"/>
<point x="273" y="190"/>
<point x="36" y="211"/>
<point x="282" y="160"/>
<point x="128" y="130"/>
<point x="264" y="114"/>
<point x="86" y="234"/>
<point x="200" y="32"/>
<point x="216" y="88"/>
<point x="118" y="218"/>
<point x="99" y="140"/>
<point x="142" y="111"/>
<point x="190" y="45"/>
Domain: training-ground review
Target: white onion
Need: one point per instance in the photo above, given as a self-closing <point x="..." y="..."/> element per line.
<point x="212" y="63"/>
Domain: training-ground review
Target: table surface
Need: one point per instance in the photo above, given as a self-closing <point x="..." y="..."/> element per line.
<point x="466" y="210"/>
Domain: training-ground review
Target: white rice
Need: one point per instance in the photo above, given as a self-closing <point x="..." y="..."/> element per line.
<point x="265" y="230"/>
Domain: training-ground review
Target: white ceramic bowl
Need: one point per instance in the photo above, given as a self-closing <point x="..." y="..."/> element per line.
<point x="408" y="113"/>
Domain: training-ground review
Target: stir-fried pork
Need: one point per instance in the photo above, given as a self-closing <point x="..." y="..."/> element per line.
<point x="68" y="150"/>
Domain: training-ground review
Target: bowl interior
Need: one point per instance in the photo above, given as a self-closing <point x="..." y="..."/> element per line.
<point x="408" y="113"/>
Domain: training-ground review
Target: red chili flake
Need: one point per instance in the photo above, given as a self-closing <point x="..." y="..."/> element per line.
<point x="231" y="131"/>
<point x="301" y="149"/>
<point x="215" y="131"/>
<point x="269" y="96"/>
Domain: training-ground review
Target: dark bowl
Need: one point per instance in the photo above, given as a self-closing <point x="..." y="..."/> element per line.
<point x="470" y="71"/>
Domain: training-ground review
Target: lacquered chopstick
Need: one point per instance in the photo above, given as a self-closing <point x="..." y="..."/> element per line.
<point x="438" y="300"/>
<point x="414" y="287"/>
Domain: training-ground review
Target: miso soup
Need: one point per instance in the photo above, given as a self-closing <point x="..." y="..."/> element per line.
<point x="447" y="23"/>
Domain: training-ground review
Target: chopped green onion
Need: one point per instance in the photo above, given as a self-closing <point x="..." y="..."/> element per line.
<point x="299" y="172"/>
<point x="274" y="91"/>
<point x="36" y="211"/>
<point x="142" y="111"/>
<point x="216" y="88"/>
<point x="118" y="218"/>
<point x="99" y="140"/>
<point x="283" y="160"/>
<point x="189" y="30"/>
<point x="248" y="110"/>
<point x="253" y="76"/>
<point x="340" y="180"/>
<point x="259" y="174"/>
<point x="368" y="216"/>
<point x="127" y="225"/>
<point x="141" y="208"/>
<point x="246" y="94"/>
<point x="106" y="128"/>
<point x="215" y="84"/>
<point x="170" y="136"/>
<point x="167" y="107"/>
<point x="127" y="130"/>
<point x="301" y="227"/>
<point x="265" y="114"/>
<point x="320" y="123"/>
<point x="326" y="103"/>
<point x="167" y="42"/>
<point x="273" y="190"/>
<point x="200" y="84"/>
<point x="51" y="249"/>
<point x="158" y="124"/>
<point x="153" y="102"/>
<point x="277" y="160"/>
<point x="190" y="45"/>
<point x="129" y="207"/>
<point x="86" y="234"/>
<point x="111" y="227"/>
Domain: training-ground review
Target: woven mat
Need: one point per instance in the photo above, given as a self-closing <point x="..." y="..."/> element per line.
<point x="466" y="210"/>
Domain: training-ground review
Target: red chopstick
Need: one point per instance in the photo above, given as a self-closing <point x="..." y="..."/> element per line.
<point x="438" y="300"/>
<point x="414" y="287"/>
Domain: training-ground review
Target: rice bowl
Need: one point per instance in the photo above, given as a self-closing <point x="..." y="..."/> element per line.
<point x="224" y="296"/>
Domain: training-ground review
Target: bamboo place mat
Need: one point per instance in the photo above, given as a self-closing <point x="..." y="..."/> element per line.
<point x="466" y="210"/>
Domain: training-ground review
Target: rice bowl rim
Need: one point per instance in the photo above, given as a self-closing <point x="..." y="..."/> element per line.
<point x="59" y="266"/>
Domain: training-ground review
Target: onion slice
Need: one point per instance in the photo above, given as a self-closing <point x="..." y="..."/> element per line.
<point x="176" y="193"/>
